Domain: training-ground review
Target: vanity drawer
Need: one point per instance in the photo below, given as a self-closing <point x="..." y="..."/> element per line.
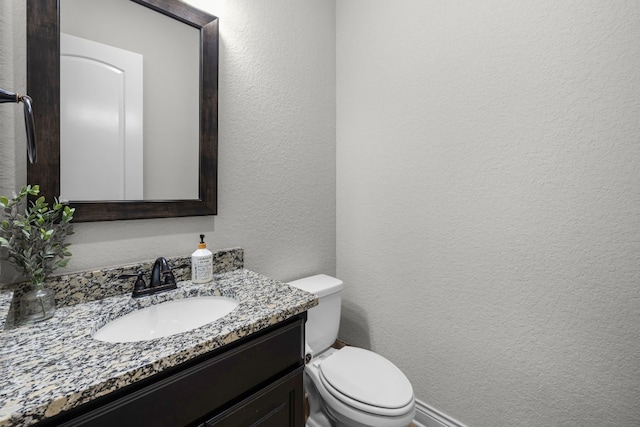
<point x="278" y="405"/>
<point x="197" y="393"/>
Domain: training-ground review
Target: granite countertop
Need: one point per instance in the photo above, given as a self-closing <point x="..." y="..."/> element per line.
<point x="56" y="365"/>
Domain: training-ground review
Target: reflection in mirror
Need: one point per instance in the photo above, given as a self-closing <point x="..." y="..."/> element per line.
<point x="101" y="110"/>
<point x="179" y="157"/>
<point x="112" y="85"/>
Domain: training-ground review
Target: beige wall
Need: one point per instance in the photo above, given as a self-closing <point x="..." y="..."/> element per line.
<point x="488" y="196"/>
<point x="276" y="149"/>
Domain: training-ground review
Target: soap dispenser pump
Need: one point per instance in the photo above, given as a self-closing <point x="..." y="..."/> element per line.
<point x="202" y="263"/>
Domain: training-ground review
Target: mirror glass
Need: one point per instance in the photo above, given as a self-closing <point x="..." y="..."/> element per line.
<point x="126" y="116"/>
<point x="120" y="138"/>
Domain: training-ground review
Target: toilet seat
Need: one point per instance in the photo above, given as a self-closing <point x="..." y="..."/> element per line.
<point x="366" y="381"/>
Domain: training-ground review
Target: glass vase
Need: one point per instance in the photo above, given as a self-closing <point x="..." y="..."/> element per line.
<point x="37" y="305"/>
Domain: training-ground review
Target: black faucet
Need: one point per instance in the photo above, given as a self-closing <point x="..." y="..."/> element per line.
<point x="162" y="279"/>
<point x="161" y="271"/>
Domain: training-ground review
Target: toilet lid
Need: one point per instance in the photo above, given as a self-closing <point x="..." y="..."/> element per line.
<point x="367" y="377"/>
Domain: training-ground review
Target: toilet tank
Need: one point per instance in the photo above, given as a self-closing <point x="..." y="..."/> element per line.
<point x="323" y="320"/>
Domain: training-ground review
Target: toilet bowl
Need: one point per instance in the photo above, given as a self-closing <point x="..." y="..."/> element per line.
<point x="350" y="386"/>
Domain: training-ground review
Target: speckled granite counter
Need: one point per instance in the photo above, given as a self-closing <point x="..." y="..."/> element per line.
<point x="56" y="365"/>
<point x="5" y="303"/>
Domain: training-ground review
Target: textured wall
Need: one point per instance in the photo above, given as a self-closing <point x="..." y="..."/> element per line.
<point x="13" y="164"/>
<point x="12" y="78"/>
<point x="276" y="150"/>
<point x="488" y="163"/>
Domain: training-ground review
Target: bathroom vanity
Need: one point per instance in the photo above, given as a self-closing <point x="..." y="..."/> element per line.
<point x="243" y="369"/>
<point x="256" y="381"/>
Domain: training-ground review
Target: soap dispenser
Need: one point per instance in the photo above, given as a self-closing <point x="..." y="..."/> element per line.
<point x="202" y="263"/>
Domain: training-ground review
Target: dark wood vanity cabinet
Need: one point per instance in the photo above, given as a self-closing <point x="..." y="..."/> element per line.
<point x="256" y="381"/>
<point x="274" y="406"/>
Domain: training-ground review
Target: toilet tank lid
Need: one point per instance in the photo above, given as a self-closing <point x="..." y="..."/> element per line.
<point x="320" y="284"/>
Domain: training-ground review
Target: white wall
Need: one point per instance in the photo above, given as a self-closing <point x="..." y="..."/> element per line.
<point x="488" y="198"/>
<point x="13" y="79"/>
<point x="276" y="150"/>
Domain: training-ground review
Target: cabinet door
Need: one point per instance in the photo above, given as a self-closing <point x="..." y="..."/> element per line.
<point x="280" y="404"/>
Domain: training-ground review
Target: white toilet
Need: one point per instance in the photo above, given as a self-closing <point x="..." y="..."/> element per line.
<point x="351" y="386"/>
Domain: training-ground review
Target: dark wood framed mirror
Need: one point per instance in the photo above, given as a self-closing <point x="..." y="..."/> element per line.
<point x="43" y="85"/>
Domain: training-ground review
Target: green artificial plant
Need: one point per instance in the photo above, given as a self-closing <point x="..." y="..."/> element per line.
<point x="34" y="233"/>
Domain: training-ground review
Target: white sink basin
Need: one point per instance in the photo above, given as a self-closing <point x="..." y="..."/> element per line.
<point x="168" y="318"/>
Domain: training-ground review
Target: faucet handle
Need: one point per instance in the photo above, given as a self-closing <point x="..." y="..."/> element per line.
<point x="140" y="284"/>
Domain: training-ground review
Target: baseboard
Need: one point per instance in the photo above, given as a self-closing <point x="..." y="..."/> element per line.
<point x="426" y="416"/>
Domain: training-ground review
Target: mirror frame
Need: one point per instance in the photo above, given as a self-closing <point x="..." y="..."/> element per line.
<point x="43" y="85"/>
